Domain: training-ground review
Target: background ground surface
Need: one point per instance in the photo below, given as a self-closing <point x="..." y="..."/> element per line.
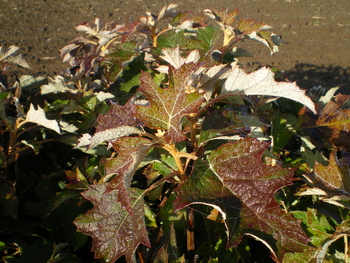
<point x="316" y="32"/>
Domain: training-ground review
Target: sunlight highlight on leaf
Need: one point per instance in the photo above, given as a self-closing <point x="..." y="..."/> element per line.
<point x="38" y="116"/>
<point x="169" y="105"/>
<point x="262" y="82"/>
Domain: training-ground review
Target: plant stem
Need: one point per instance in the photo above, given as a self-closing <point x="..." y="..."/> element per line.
<point x="172" y="150"/>
<point x="155" y="38"/>
<point x="26" y="147"/>
<point x="190" y="233"/>
<point x="346" y="248"/>
<point x="193" y="125"/>
<point x="25" y="130"/>
<point x="177" y="157"/>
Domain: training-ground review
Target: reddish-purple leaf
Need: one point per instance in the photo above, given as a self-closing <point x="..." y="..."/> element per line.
<point x="118" y="122"/>
<point x="131" y="151"/>
<point x="204" y="187"/>
<point x="242" y="171"/>
<point x="169" y="105"/>
<point x="115" y="231"/>
<point x="117" y="116"/>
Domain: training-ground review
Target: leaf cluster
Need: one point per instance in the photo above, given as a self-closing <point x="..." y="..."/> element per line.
<point x="158" y="145"/>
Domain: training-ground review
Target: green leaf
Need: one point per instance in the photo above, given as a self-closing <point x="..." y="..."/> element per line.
<point x="3" y="246"/>
<point x="118" y="58"/>
<point x="317" y="225"/>
<point x="280" y="132"/>
<point x="169" y="105"/>
<point x="116" y="230"/>
<point x="323" y="236"/>
<point x="3" y="95"/>
<point x="150" y="217"/>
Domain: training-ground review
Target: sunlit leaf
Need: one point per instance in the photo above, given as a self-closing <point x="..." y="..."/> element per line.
<point x="331" y="183"/>
<point x="9" y="55"/>
<point x="174" y="58"/>
<point x="262" y="82"/>
<point x="169" y="105"/>
<point x="33" y="144"/>
<point x="58" y="85"/>
<point x="222" y="17"/>
<point x="167" y="12"/>
<point x="38" y="116"/>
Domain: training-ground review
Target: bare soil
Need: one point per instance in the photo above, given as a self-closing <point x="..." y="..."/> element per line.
<point x="316" y="32"/>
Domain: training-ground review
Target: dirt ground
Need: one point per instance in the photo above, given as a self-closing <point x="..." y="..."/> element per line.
<point x="316" y="32"/>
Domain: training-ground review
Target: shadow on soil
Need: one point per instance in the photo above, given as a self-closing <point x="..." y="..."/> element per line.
<point x="308" y="76"/>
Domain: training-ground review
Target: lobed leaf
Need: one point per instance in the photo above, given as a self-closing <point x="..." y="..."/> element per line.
<point x="204" y="187"/>
<point x="262" y="82"/>
<point x="167" y="12"/>
<point x="334" y="121"/>
<point x="38" y="117"/>
<point x="174" y="58"/>
<point x="248" y="26"/>
<point x="115" y="231"/>
<point x="242" y="171"/>
<point x="131" y="151"/>
<point x="331" y="182"/>
<point x="58" y="85"/>
<point x="118" y="122"/>
<point x="169" y="105"/>
<point x="8" y="55"/>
